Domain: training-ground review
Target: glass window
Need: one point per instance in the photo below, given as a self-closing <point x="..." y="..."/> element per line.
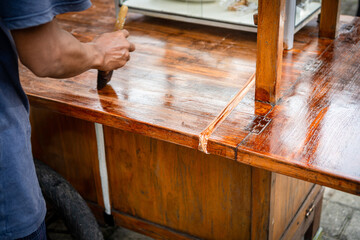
<point x="235" y="14"/>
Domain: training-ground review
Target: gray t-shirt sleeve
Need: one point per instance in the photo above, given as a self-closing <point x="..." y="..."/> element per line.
<point x="19" y="14"/>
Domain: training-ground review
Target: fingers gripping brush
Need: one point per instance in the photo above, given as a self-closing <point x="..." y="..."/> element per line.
<point x="104" y="77"/>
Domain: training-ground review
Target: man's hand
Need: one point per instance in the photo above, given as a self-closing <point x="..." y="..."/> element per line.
<point x="114" y="48"/>
<point x="49" y="51"/>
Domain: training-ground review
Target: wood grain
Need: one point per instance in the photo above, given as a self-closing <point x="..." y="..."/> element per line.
<point x="329" y="18"/>
<point x="271" y="17"/>
<point x="204" y="196"/>
<point x="290" y="195"/>
<point x="313" y="229"/>
<point x="206" y="133"/>
<point x="164" y="90"/>
<point x="178" y="81"/>
<point x="261" y="202"/>
<point x="182" y="76"/>
<point x="68" y="145"/>
<point x="306" y="225"/>
<point x="276" y="200"/>
<point x="148" y="228"/>
<point x="316" y="125"/>
<point x="153" y="179"/>
<point x="194" y="194"/>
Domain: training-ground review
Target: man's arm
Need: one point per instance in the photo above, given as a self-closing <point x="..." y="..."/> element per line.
<point x="49" y="51"/>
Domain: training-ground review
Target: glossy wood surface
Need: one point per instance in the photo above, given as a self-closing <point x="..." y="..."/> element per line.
<point x="164" y="91"/>
<point x="182" y="75"/>
<point x="204" y="135"/>
<point x="316" y="126"/>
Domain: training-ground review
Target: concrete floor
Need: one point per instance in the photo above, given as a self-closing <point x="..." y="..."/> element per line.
<point x="340" y="218"/>
<point x="349" y="7"/>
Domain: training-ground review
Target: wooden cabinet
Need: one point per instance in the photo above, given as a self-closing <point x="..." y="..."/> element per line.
<point x="168" y="191"/>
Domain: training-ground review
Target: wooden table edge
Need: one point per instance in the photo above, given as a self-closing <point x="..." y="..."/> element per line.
<point x="298" y="170"/>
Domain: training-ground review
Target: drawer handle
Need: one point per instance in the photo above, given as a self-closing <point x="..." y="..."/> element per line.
<point x="311" y="209"/>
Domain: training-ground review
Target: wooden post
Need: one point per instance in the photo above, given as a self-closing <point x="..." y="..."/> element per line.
<point x="269" y="49"/>
<point x="329" y="18"/>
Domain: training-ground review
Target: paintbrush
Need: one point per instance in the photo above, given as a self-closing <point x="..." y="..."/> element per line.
<point x="104" y="77"/>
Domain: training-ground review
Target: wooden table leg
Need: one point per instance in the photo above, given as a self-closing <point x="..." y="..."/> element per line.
<point x="269" y="49"/>
<point x="329" y="18"/>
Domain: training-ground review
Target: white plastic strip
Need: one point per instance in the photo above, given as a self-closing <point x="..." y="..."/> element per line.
<point x="102" y="166"/>
<point x="289" y="25"/>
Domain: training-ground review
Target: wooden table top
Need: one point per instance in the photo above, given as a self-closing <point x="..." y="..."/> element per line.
<point x="182" y="75"/>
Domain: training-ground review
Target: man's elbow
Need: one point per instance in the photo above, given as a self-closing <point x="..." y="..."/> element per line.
<point x="39" y="71"/>
<point x="44" y="68"/>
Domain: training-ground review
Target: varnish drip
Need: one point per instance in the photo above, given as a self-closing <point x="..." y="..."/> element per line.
<point x="204" y="135"/>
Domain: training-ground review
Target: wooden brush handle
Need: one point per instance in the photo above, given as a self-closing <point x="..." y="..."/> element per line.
<point x="120" y="21"/>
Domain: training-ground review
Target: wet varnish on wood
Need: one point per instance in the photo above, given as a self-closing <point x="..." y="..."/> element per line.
<point x="181" y="77"/>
